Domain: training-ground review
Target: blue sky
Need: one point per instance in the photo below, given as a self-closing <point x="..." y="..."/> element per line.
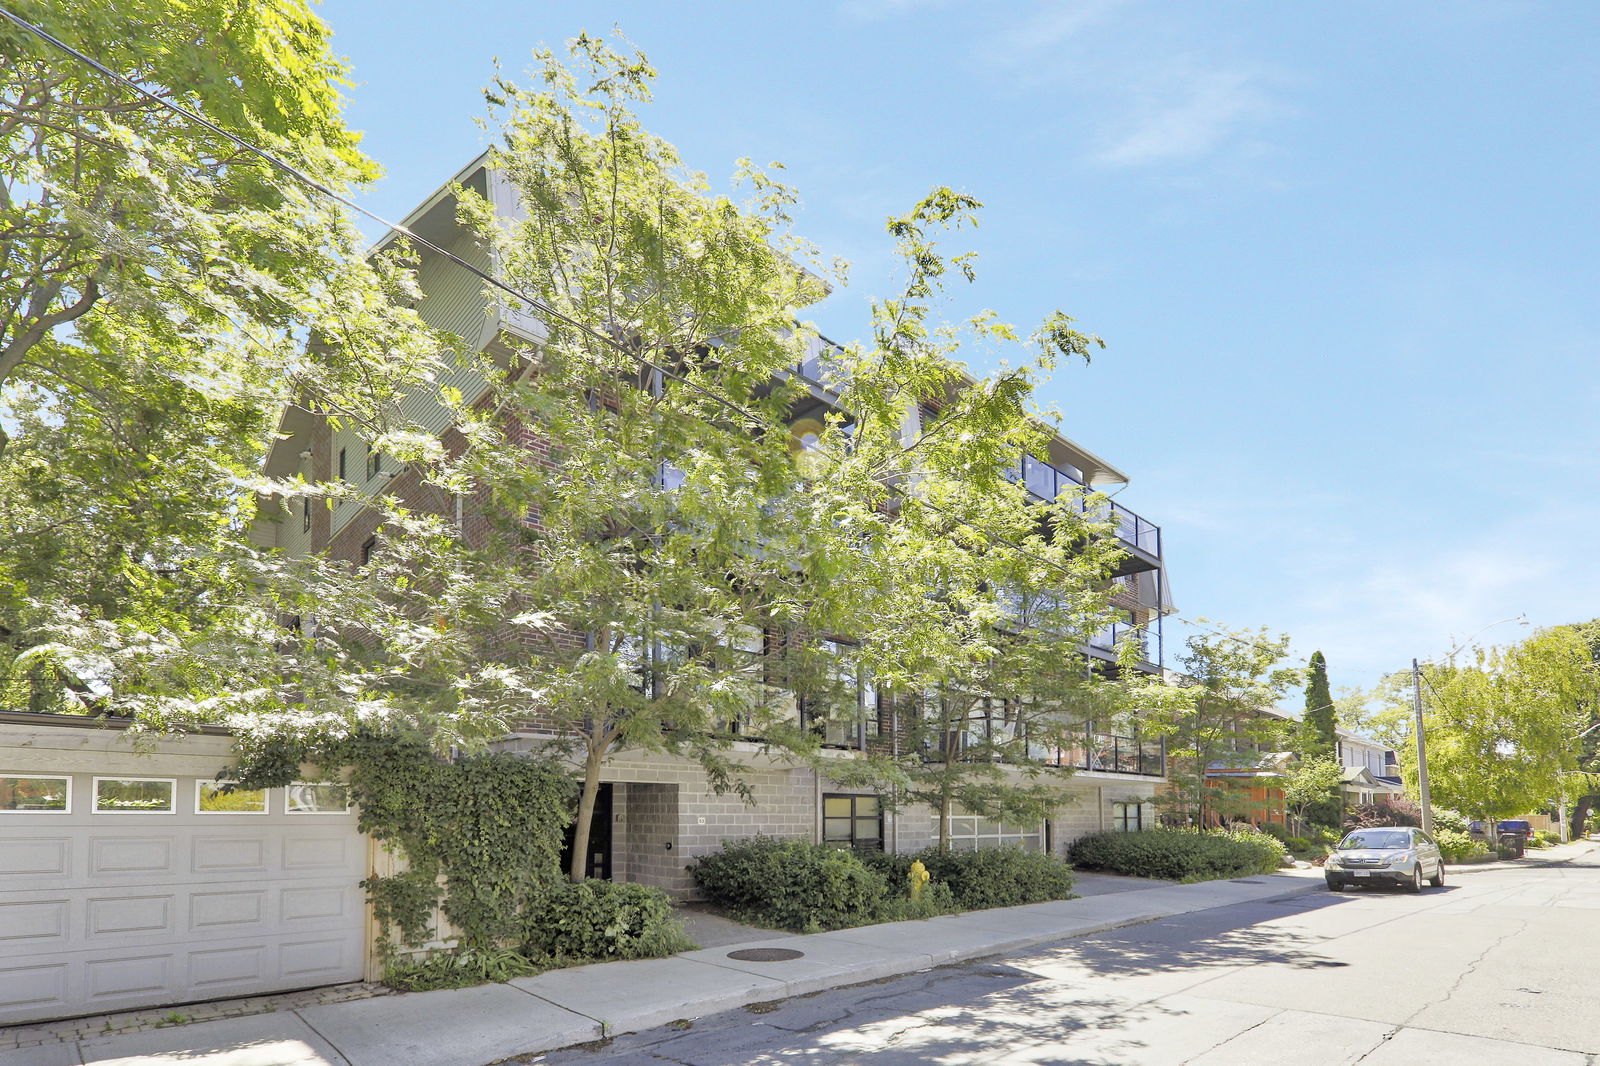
<point x="1343" y="255"/>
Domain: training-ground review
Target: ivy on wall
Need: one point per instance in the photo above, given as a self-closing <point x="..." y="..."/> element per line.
<point x="489" y="826"/>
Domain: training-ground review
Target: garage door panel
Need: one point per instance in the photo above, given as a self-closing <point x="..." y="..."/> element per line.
<point x="33" y="991"/>
<point x="303" y="905"/>
<point x="321" y="851"/>
<point x="313" y="961"/>
<point x="43" y="922"/>
<point x="122" y="856"/>
<point x="32" y="857"/>
<point x="244" y="853"/>
<point x="227" y="913"/>
<point x="217" y="971"/>
<point x="113" y="918"/>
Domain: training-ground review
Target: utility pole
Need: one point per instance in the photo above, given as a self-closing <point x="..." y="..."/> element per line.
<point x="1422" y="751"/>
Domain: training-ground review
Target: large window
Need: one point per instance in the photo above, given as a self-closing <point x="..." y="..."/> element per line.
<point x="1129" y="817"/>
<point x="970" y="833"/>
<point x="852" y="822"/>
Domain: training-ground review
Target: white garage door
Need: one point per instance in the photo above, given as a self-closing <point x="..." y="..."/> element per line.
<point x="121" y="890"/>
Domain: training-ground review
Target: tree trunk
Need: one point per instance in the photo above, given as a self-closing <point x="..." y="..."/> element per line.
<point x="1580" y="814"/>
<point x="581" y="825"/>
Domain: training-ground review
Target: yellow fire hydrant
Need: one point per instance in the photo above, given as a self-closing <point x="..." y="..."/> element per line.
<point x="918" y="878"/>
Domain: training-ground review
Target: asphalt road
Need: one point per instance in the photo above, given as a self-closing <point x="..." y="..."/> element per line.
<point x="1499" y="966"/>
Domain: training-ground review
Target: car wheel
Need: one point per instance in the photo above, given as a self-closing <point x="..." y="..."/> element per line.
<point x="1335" y="885"/>
<point x="1415" y="884"/>
<point x="1437" y="880"/>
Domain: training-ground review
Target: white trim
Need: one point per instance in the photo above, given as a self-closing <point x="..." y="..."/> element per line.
<point x="289" y="809"/>
<point x="94" y="796"/>
<point x="201" y="784"/>
<point x="39" y="777"/>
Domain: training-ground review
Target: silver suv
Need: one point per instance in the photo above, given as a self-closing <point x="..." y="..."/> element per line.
<point x="1396" y="855"/>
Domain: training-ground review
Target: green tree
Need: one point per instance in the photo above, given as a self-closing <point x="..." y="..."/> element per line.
<point x="1216" y="714"/>
<point x="1501" y="730"/>
<point x="1319" y="737"/>
<point x="157" y="283"/>
<point x="1311" y="789"/>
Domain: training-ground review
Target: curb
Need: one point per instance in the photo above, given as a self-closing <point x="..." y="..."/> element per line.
<point x="812" y="986"/>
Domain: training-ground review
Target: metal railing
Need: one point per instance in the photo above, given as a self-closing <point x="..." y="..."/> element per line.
<point x="1047" y="481"/>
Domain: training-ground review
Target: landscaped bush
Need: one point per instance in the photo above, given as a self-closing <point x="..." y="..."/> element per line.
<point x="1276" y="830"/>
<point x="999" y="877"/>
<point x="1179" y="855"/>
<point x="1445" y="818"/>
<point x="1297" y="845"/>
<point x="606" y="920"/>
<point x="791" y="884"/>
<point x="1457" y="845"/>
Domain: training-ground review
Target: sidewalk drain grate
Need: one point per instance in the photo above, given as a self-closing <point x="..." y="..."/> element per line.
<point x="1245" y="881"/>
<point x="766" y="954"/>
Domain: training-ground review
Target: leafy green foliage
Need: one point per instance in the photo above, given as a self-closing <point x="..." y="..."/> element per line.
<point x="1215" y="715"/>
<point x="1311" y="789"/>
<point x="481" y="834"/>
<point x="606" y="920"/>
<point x="1458" y="844"/>
<point x="1179" y="855"/>
<point x="459" y="969"/>
<point x="794" y="884"/>
<point x="791" y="884"/>
<point x="999" y="877"/>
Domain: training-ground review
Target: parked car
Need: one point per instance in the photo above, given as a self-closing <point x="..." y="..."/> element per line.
<point x="1395" y="855"/>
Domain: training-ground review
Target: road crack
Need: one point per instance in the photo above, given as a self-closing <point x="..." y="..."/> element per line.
<point x="1467" y="971"/>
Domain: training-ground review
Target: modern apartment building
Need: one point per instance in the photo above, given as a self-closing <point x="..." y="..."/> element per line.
<point x="656" y="812"/>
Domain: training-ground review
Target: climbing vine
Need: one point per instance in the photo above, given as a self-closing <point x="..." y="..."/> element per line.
<point x="481" y="834"/>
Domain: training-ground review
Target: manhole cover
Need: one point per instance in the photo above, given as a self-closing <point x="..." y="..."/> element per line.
<point x="1243" y="881"/>
<point x="766" y="954"/>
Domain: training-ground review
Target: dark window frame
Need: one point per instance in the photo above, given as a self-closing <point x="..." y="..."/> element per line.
<point x="855" y="841"/>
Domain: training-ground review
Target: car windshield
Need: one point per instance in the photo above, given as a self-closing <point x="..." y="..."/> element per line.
<point x="1376" y="840"/>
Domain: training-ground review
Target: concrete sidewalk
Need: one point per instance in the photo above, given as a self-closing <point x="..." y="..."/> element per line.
<point x="1556" y="853"/>
<point x="474" y="1026"/>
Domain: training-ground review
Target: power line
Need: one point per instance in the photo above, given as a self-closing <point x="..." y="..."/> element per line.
<point x="333" y="194"/>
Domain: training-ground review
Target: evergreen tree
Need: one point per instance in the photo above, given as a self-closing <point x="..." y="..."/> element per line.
<point x="1319" y="736"/>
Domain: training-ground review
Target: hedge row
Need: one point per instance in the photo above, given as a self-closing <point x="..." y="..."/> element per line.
<point x="1180" y="855"/>
<point x="795" y="884"/>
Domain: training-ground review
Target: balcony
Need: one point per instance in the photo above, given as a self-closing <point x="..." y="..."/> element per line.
<point x="1142" y="538"/>
<point x="1110" y="753"/>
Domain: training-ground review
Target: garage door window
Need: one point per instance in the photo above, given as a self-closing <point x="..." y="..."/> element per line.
<point x="317" y="797"/>
<point x="135" y="795"/>
<point x="35" y="795"/>
<point x="210" y="797"/>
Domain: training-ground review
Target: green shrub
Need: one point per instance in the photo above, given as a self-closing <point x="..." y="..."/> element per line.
<point x="936" y="899"/>
<point x="1457" y="844"/>
<point x="1445" y="818"/>
<point x="1297" y="844"/>
<point x="459" y="969"/>
<point x="791" y="884"/>
<point x="1542" y="839"/>
<point x="1270" y="852"/>
<point x="999" y="877"/>
<point x="607" y="920"/>
<point x="1277" y="830"/>
<point x="1179" y="855"/>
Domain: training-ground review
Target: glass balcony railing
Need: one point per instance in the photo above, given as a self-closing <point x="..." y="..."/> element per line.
<point x="1048" y="481"/>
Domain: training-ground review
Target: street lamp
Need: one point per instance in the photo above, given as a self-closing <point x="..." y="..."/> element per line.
<point x="1416" y="698"/>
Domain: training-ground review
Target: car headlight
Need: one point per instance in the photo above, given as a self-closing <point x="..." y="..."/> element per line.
<point x="1332" y="863"/>
<point x="1396" y="860"/>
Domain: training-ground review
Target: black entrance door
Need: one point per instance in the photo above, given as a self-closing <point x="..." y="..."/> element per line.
<point x="598" y="863"/>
